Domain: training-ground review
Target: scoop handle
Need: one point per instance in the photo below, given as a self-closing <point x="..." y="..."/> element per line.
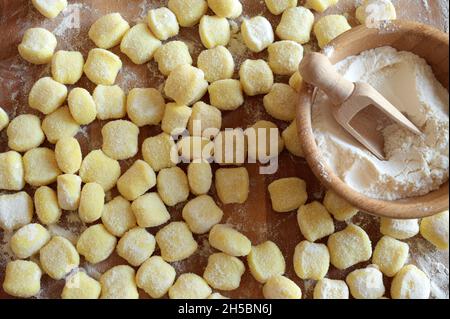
<point x="317" y="70"/>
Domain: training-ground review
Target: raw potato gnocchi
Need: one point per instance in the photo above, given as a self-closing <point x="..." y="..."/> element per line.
<point x="311" y="261"/>
<point x="314" y="221"/>
<point x="214" y="31"/>
<point x="173" y="186"/>
<point x="11" y="171"/>
<point x="338" y="207"/>
<point x="257" y="33"/>
<point x="256" y="77"/>
<point x="47" y="207"/>
<point x="399" y="228"/>
<point x="226" y="94"/>
<point x="230" y="147"/>
<point x="101" y="169"/>
<point x="59" y="124"/>
<point x="163" y="23"/>
<point x="37" y="46"/>
<point x="330" y="27"/>
<point x="331" y="289"/>
<point x="136" y="181"/>
<point x="320" y="5"/>
<point x="58" y="258"/>
<point x="67" y="66"/>
<point x="139" y="44"/>
<point x="155" y="277"/>
<point x="110" y="102"/>
<point x="190" y="286"/>
<point x="47" y="95"/>
<point x="224" y="272"/>
<point x="390" y="255"/>
<point x="285" y="57"/>
<point x="188" y="13"/>
<point x="200" y="178"/>
<point x="372" y="11"/>
<point x="82" y="106"/>
<point x="68" y="155"/>
<point x="171" y="55"/>
<point x="28" y="240"/>
<point x="118" y="217"/>
<point x="186" y="85"/>
<point x="50" y="8"/>
<point x="102" y="66"/>
<point x="40" y="167"/>
<point x="216" y="63"/>
<point x="280" y="287"/>
<point x="281" y="102"/>
<point x="92" y="202"/>
<point x="296" y="81"/>
<point x="204" y="117"/>
<point x="22" y="279"/>
<point x="274" y="143"/>
<point x="366" y="283"/>
<point x="95" y="244"/>
<point x="296" y="25"/>
<point x="16" y="210"/>
<point x="410" y="283"/>
<point x="120" y="139"/>
<point x="136" y="246"/>
<point x="158" y="150"/>
<point x="292" y="141"/>
<point x="266" y="261"/>
<point x="119" y="283"/>
<point x="108" y="31"/>
<point x="287" y="194"/>
<point x="229" y="241"/>
<point x="25" y="133"/>
<point x="150" y="210"/>
<point x="69" y="191"/>
<point x="232" y="185"/>
<point x="145" y="106"/>
<point x="201" y="214"/>
<point x="176" y="242"/>
<point x="435" y="230"/>
<point x="277" y="7"/>
<point x="4" y="119"/>
<point x="230" y="9"/>
<point x="80" y="286"/>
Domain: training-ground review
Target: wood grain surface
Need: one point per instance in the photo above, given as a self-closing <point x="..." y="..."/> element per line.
<point x="255" y="218"/>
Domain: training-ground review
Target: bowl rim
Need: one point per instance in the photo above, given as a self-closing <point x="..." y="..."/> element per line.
<point x="414" y="207"/>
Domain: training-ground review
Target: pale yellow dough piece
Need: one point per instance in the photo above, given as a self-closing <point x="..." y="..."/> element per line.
<point x="69" y="191"/>
<point x="311" y="261"/>
<point x="101" y="169"/>
<point x="314" y="221"/>
<point x="256" y="77"/>
<point x="410" y="283"/>
<point x="292" y="141"/>
<point x="280" y="287"/>
<point x="277" y="7"/>
<point x="200" y="178"/>
<point x="11" y="171"/>
<point x="80" y="286"/>
<point x="58" y="258"/>
<point x="67" y="66"/>
<point x="281" y="102"/>
<point x="176" y="242"/>
<point x="186" y="85"/>
<point x="296" y="25"/>
<point x="40" y="167"/>
<point x="366" y="283"/>
<point x="16" y="210"/>
<point x="120" y="139"/>
<point x="226" y="95"/>
<point x="139" y="44"/>
<point x="136" y="181"/>
<point x="25" y="133"/>
<point x="47" y="207"/>
<point x="296" y="82"/>
<point x="50" y="8"/>
<point x="331" y="289"/>
<point x="163" y="23"/>
<point x="230" y="9"/>
<point x="4" y="119"/>
<point x="230" y="147"/>
<point x="160" y="151"/>
<point x="47" y="95"/>
<point x="188" y="13"/>
<point x="190" y="286"/>
<point x="96" y="244"/>
<point x="176" y="118"/>
<point x="111" y="102"/>
<point x="38" y="46"/>
<point x="224" y="272"/>
<point x="155" y="277"/>
<point x="390" y="255"/>
<point x="145" y="106"/>
<point x="108" y="30"/>
<point x="204" y="117"/>
<point x="136" y="246"/>
<point x="232" y="185"/>
<point x="102" y="66"/>
<point x="68" y="155"/>
<point x="435" y="230"/>
<point x="229" y="241"/>
<point x="119" y="283"/>
<point x="257" y="33"/>
<point x="349" y="247"/>
<point x="214" y="31"/>
<point x="285" y="57"/>
<point x="339" y="207"/>
<point x="92" y="202"/>
<point x="150" y="210"/>
<point x="171" y="55"/>
<point x="201" y="214"/>
<point x="372" y="11"/>
<point x="399" y="228"/>
<point x="217" y="63"/>
<point x="287" y="194"/>
<point x="82" y="106"/>
<point x="173" y="186"/>
<point x="28" y="240"/>
<point x="330" y="27"/>
<point x="320" y="5"/>
<point x="196" y="149"/>
<point x="118" y="217"/>
<point x="22" y="279"/>
<point x="266" y="261"/>
<point x="59" y="124"/>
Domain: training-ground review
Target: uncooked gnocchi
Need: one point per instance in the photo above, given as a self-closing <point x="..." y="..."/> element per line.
<point x="320" y="5"/>
<point x="108" y="31"/>
<point x="410" y="283"/>
<point x="266" y="261"/>
<point x="287" y="194"/>
<point x="257" y="33"/>
<point x="95" y="244"/>
<point x="372" y="11"/>
<point x="226" y="95"/>
<point x="224" y="272"/>
<point x="11" y="171"/>
<point x="22" y="279"/>
<point x="69" y="191"/>
<point x="67" y="66"/>
<point x="137" y="180"/>
<point x="120" y="139"/>
<point x="214" y="31"/>
<point x="390" y="255"/>
<point x="118" y="217"/>
<point x="47" y="207"/>
<point x="160" y="151"/>
<point x="314" y="221"/>
<point x="281" y="102"/>
<point x="82" y="106"/>
<point x="229" y="241"/>
<point x="110" y="101"/>
<point x="59" y="124"/>
<point x="16" y="210"/>
<point x="37" y="46"/>
<point x="139" y="44"/>
<point x="171" y="55"/>
<point x="176" y="242"/>
<point x="119" y="283"/>
<point x="173" y="186"/>
<point x="150" y="211"/>
<point x="277" y="7"/>
<point x="296" y="25"/>
<point x="145" y="106"/>
<point x="136" y="246"/>
<point x="47" y="95"/>
<point x="292" y="140"/>
<point x="232" y="185"/>
<point x="204" y="117"/>
<point x="366" y="283"/>
<point x="399" y="228"/>
<point x="188" y="13"/>
<point x="435" y="230"/>
<point x="331" y="289"/>
<point x="256" y="77"/>
<point x="190" y="286"/>
<point x="40" y="167"/>
<point x="201" y="214"/>
<point x="230" y="9"/>
<point x="92" y="202"/>
<point x="263" y="148"/>
<point x="155" y="277"/>
<point x="280" y="287"/>
<point x="50" y="8"/>
<point x="68" y="155"/>
<point x="186" y="85"/>
<point x="102" y="66"/>
<point x="285" y="57"/>
<point x="80" y="286"/>
<point x="4" y="119"/>
<point x="311" y="261"/>
<point x="339" y="207"/>
<point x="28" y="240"/>
<point x="25" y="133"/>
<point x="199" y="178"/>
<point x="163" y="23"/>
<point x="101" y="169"/>
<point x="58" y="258"/>
<point x="217" y="64"/>
<point x="330" y="27"/>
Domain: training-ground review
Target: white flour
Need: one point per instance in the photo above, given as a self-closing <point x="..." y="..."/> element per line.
<point x="416" y="165"/>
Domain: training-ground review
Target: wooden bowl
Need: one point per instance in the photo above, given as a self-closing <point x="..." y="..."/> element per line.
<point x="422" y="40"/>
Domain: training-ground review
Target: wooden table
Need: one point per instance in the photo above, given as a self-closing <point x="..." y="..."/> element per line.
<point x="255" y="218"/>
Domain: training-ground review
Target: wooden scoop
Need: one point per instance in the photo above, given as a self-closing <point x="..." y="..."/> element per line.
<point x="359" y="108"/>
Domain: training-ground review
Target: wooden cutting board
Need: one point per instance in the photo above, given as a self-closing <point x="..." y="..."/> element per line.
<point x="255" y="218"/>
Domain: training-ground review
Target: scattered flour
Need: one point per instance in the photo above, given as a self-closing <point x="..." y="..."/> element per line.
<point x="416" y="165"/>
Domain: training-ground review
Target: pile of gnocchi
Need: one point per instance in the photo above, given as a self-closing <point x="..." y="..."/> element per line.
<point x="155" y="182"/>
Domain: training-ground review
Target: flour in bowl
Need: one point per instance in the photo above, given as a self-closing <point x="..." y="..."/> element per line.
<point x="415" y="165"/>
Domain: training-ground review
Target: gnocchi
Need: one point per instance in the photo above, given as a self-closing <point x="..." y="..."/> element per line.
<point x="277" y="7"/>
<point x="139" y="44"/>
<point x="50" y="8"/>
<point x="155" y="277"/>
<point x="186" y="85"/>
<point x="224" y="272"/>
<point x="47" y="95"/>
<point x="320" y="5"/>
<point x="214" y="31"/>
<point x="59" y="124"/>
<point x="120" y="139"/>
<point x="28" y="240"/>
<point x="201" y="214"/>
<point x="150" y="210"/>
<point x="119" y="283"/>
<point x="16" y="210"/>
<point x="287" y="194"/>
<point x="68" y="155"/>
<point x="339" y="207"/>
<point x="171" y="55"/>
<point x="102" y="66"/>
<point x="4" y="119"/>
<point x="108" y="30"/>
<point x="257" y="33"/>
<point x="230" y="147"/>
<point x="47" y="207"/>
<point x="366" y="283"/>
<point x="40" y="167"/>
<point x="158" y="151"/>
<point x="110" y="101"/>
<point x="331" y="289"/>
<point x="256" y="77"/>
<point x="281" y="102"/>
<point x="232" y="185"/>
<point x="82" y="106"/>
<point x="22" y="279"/>
<point x="372" y="11"/>
<point x="285" y="57"/>
<point x="176" y="242"/>
<point x="176" y="118"/>
<point x="145" y="106"/>
<point x="226" y="95"/>
<point x="188" y="13"/>
<point x="67" y="66"/>
<point x="266" y="261"/>
<point x="25" y="133"/>
<point x="136" y="246"/>
<point x="264" y="147"/>
<point x="296" y="25"/>
<point x="163" y="23"/>
<point x="330" y="27"/>
<point x="92" y="203"/>
<point x="292" y="141"/>
<point x="230" y="9"/>
<point x="314" y="221"/>
<point x="204" y="117"/>
<point x="69" y="191"/>
<point x="58" y="258"/>
<point x="101" y="169"/>
<point x="410" y="283"/>
<point x="390" y="255"/>
<point x="280" y="287"/>
<point x="11" y="171"/>
<point x="80" y="286"/>
<point x="136" y="181"/>
<point x="95" y="244"/>
<point x="38" y="46"/>
<point x="173" y="186"/>
<point x="311" y="261"/>
<point x="190" y="286"/>
<point x="118" y="217"/>
<point x="216" y="63"/>
<point x="399" y="228"/>
<point x="229" y="241"/>
<point x="199" y="178"/>
<point x="435" y="230"/>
